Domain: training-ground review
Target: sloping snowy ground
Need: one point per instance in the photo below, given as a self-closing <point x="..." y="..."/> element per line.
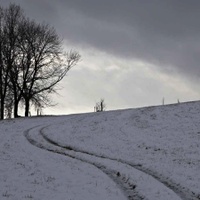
<point x="147" y="153"/>
<point x="27" y="172"/>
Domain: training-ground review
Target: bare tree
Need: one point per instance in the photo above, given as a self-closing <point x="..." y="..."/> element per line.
<point x="32" y="61"/>
<point x="44" y="64"/>
<point x="13" y="18"/>
<point x="10" y="20"/>
<point x="100" y="106"/>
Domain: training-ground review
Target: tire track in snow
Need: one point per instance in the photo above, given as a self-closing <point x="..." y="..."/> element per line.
<point x="126" y="187"/>
<point x="184" y="195"/>
<point x="180" y="191"/>
<point x="124" y="181"/>
<point x="183" y="192"/>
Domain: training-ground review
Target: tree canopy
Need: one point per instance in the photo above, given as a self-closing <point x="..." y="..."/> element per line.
<point x="32" y="61"/>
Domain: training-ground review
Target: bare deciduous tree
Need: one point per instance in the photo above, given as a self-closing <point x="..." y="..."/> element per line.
<point x="32" y="61"/>
<point x="13" y="17"/>
<point x="44" y="64"/>
<point x="100" y="106"/>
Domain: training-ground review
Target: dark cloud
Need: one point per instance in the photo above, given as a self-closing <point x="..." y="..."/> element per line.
<point x="42" y="11"/>
<point x="166" y="33"/>
<point x="163" y="32"/>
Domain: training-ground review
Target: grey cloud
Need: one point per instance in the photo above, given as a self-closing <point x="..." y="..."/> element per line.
<point x="166" y="33"/>
<point x="40" y="10"/>
<point x="163" y="32"/>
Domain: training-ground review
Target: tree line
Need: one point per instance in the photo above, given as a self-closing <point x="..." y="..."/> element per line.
<point x="32" y="62"/>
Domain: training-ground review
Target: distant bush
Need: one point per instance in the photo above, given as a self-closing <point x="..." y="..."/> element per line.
<point x="100" y="106"/>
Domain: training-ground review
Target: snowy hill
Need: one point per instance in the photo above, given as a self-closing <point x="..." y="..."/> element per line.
<point x="148" y="153"/>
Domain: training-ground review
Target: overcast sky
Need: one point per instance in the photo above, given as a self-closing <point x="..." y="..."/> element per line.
<point x="134" y="52"/>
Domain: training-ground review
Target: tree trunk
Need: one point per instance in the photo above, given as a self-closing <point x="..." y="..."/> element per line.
<point x="1" y="69"/>
<point x="27" y="105"/>
<point x="1" y="86"/>
<point x="2" y="108"/>
<point x="17" y="98"/>
<point x="16" y="109"/>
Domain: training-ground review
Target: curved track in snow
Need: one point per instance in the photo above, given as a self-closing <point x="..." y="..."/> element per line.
<point x="135" y="182"/>
<point x="35" y="137"/>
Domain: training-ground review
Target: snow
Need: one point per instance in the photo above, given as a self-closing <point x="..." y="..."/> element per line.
<point x="147" y="153"/>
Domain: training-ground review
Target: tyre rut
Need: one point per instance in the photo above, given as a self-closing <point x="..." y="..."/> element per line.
<point x="126" y="187"/>
<point x="124" y="183"/>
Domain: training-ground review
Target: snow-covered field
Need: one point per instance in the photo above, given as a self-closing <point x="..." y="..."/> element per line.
<point x="148" y="153"/>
